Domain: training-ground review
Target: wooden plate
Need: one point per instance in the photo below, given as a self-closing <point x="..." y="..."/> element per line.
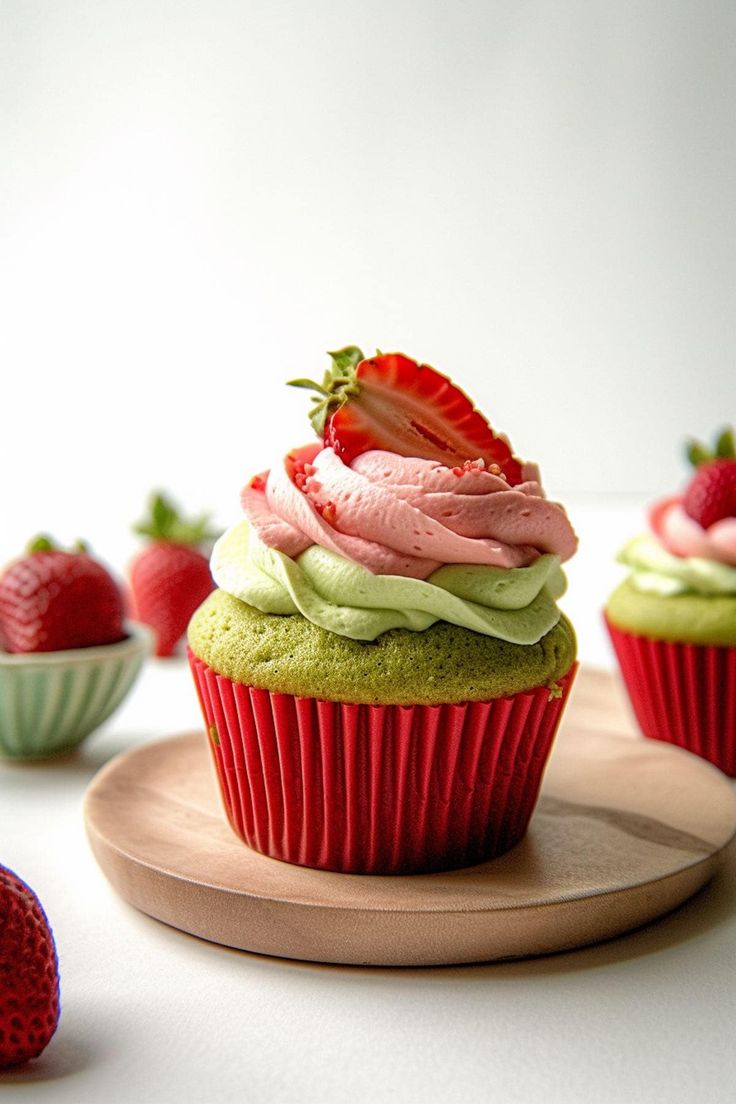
<point x="625" y="830"/>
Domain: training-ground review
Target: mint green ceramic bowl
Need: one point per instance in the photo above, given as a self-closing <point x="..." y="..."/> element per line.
<point x="49" y="701"/>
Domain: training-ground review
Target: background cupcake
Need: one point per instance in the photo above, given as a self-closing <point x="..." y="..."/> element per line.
<point x="383" y="666"/>
<point x="673" y="619"/>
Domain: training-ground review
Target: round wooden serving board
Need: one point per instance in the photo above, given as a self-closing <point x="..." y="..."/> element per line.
<point x="625" y="830"/>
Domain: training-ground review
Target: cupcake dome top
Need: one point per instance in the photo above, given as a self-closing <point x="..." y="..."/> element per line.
<point x="445" y="663"/>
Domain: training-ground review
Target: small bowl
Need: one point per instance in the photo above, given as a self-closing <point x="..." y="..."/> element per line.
<point x="49" y="701"/>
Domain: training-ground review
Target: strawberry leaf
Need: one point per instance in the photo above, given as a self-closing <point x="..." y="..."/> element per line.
<point x="724" y="449"/>
<point x="41" y="543"/>
<point x="164" y="522"/>
<point x="163" y="513"/>
<point x="725" y="445"/>
<point x="697" y="453"/>
<point x="308" y="385"/>
<point x="344" y="360"/>
<point x="338" y="385"/>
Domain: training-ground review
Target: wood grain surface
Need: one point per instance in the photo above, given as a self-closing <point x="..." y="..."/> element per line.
<point x="625" y="830"/>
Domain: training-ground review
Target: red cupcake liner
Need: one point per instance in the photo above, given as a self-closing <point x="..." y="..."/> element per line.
<point x="684" y="694"/>
<point x="377" y="789"/>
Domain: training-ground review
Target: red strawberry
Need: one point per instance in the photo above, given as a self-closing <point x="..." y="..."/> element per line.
<point x="51" y="600"/>
<point x="29" y="973"/>
<point x="711" y="494"/>
<point x="169" y="578"/>
<point x="391" y="402"/>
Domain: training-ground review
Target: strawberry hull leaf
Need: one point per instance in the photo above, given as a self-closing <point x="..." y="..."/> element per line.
<point x="343" y="360"/>
<point x="723" y="449"/>
<point x="164" y="522"/>
<point x="725" y="445"/>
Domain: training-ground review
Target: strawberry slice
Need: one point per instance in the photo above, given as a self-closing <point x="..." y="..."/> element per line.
<point x="393" y="403"/>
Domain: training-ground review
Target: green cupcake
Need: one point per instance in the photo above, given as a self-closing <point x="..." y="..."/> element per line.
<point x="383" y="666"/>
<point x="672" y="621"/>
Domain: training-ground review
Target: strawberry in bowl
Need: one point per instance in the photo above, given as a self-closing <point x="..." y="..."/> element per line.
<point x="67" y="657"/>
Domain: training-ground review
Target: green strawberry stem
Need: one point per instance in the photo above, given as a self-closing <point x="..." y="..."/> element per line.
<point x="723" y="449"/>
<point x="41" y="543"/>
<point x="44" y="543"/>
<point x="164" y="522"/>
<point x="725" y="445"/>
<point x="336" y="388"/>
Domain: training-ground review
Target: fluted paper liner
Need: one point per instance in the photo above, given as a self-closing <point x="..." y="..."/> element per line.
<point x="375" y="789"/>
<point x="684" y="694"/>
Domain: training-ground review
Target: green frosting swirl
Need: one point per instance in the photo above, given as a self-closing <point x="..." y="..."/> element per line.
<point x="656" y="571"/>
<point x="512" y="604"/>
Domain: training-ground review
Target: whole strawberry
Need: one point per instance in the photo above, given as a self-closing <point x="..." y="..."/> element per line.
<point x="29" y="973"/>
<point x="711" y="493"/>
<point x="52" y="600"/>
<point x="394" y="403"/>
<point x="170" y="577"/>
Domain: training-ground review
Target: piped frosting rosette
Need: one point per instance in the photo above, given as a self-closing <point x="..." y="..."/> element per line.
<point x="682" y="536"/>
<point x="680" y="556"/>
<point x="391" y="542"/>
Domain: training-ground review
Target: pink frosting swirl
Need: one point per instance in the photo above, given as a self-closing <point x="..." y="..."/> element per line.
<point x="684" y="536"/>
<point x="399" y="515"/>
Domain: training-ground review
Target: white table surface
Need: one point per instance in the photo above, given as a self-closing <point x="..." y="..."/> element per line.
<point x="150" y="1014"/>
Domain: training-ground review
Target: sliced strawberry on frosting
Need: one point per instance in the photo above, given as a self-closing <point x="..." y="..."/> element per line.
<point x="393" y="403"/>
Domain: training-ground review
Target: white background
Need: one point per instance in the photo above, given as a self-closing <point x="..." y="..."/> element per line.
<point x="198" y="199"/>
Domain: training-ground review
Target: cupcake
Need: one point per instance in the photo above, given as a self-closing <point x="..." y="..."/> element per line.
<point x="383" y="665"/>
<point x="67" y="658"/>
<point x="672" y="621"/>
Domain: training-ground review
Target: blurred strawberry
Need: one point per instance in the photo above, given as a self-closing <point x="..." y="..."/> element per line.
<point x="29" y="973"/>
<point x="394" y="403"/>
<point x="51" y="600"/>
<point x="170" y="577"/>
<point x="711" y="494"/>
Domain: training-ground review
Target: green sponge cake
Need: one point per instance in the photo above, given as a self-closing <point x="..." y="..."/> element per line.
<point x="445" y="663"/>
